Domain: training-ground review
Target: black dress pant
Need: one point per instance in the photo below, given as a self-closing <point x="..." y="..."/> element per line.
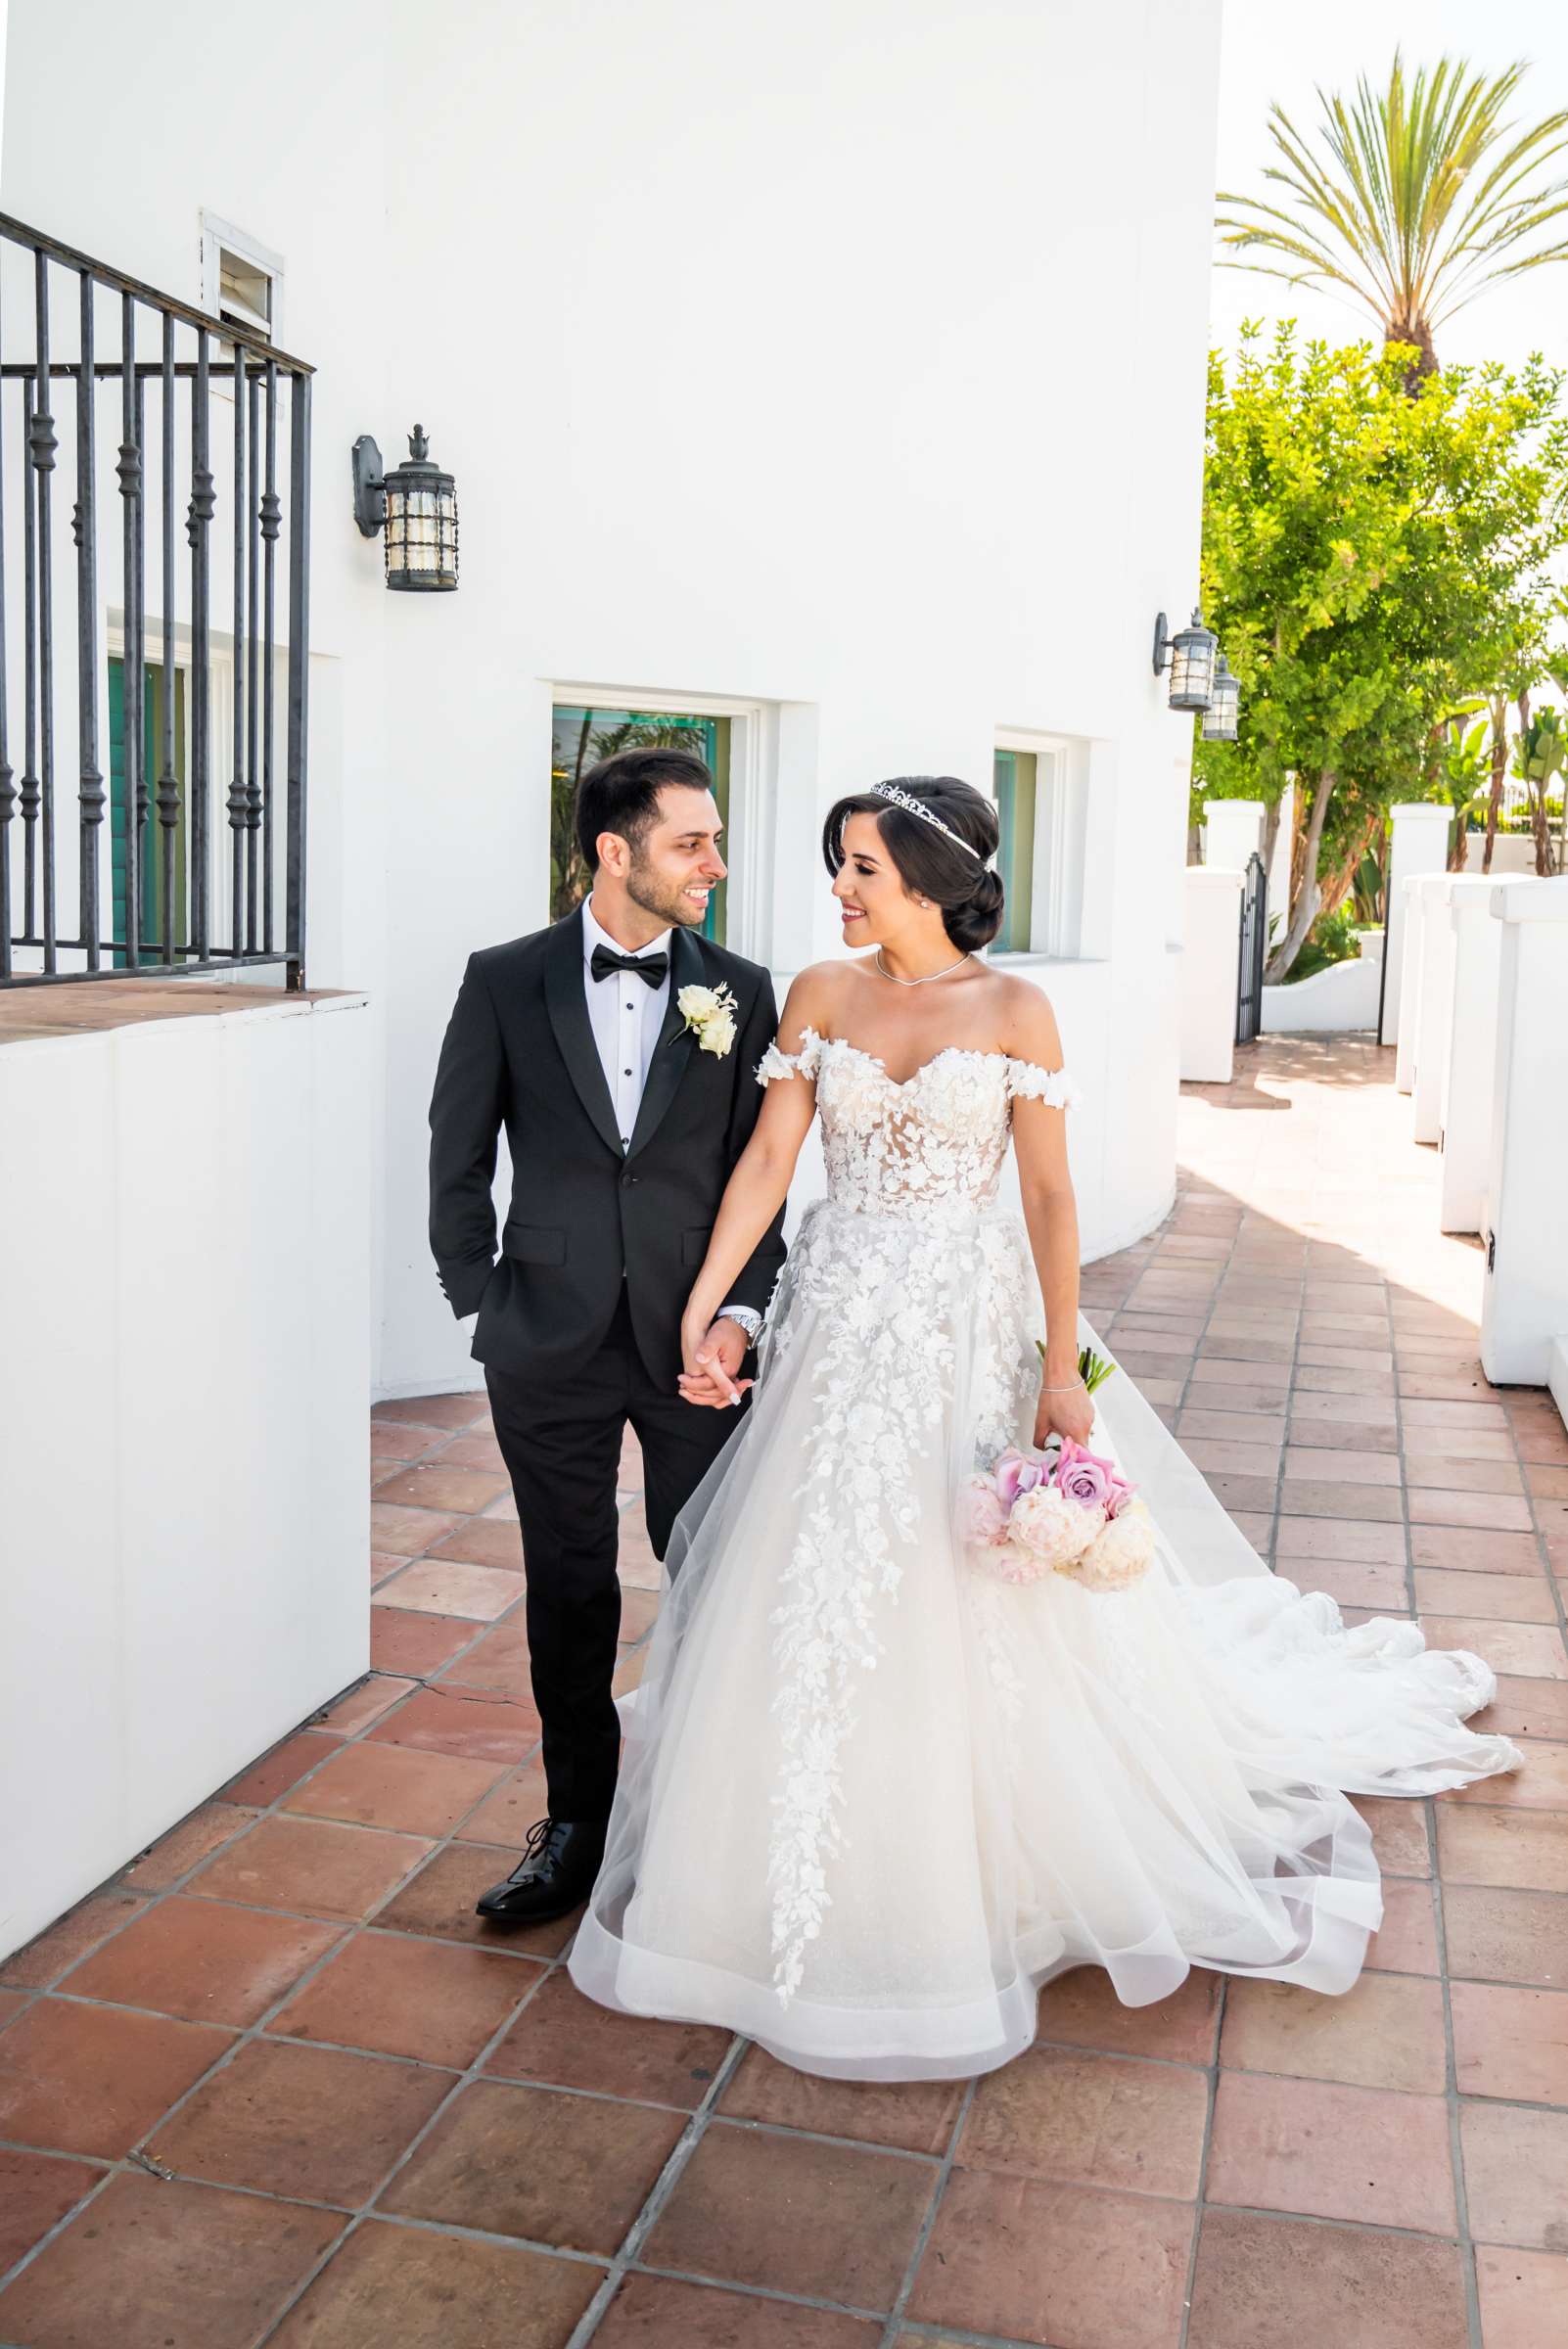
<point x="561" y="1442"/>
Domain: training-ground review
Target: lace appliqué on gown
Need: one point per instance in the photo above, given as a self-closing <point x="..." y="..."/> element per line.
<point x="929" y="1144"/>
<point x="912" y="1162"/>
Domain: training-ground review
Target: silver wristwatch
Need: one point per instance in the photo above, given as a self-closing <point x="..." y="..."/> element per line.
<point x="744" y="1317"/>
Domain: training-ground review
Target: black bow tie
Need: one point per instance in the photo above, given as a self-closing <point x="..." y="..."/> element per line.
<point x="653" y="968"/>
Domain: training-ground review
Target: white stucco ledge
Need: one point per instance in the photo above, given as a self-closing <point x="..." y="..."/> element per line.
<point x="48" y="1014"/>
<point x="1541" y="901"/>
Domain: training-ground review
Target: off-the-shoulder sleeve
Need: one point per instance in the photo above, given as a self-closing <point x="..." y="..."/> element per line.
<point x="1027" y="1080"/>
<point x="775" y="1064"/>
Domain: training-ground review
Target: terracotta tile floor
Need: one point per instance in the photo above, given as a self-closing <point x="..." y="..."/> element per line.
<point x="274" y="2085"/>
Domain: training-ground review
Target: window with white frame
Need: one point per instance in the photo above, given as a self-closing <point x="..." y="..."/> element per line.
<point x="241" y="279"/>
<point x="1040" y="784"/>
<point x="736" y="743"/>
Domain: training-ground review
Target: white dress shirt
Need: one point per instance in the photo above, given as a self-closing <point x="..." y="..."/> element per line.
<point x="626" y="1014"/>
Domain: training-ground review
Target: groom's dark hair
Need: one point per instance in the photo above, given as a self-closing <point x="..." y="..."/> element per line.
<point x="622" y="795"/>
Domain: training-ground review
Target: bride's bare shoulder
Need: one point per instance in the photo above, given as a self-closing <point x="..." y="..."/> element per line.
<point x="819" y="993"/>
<point x="1027" y="1023"/>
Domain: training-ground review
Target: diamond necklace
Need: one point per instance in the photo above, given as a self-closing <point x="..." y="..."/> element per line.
<point x="926" y="981"/>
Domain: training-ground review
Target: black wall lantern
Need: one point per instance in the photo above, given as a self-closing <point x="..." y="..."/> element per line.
<point x="1224" y="707"/>
<point x="416" y="504"/>
<point x="1191" y="660"/>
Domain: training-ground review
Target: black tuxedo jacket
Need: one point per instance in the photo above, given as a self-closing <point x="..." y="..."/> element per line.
<point x="587" y="1215"/>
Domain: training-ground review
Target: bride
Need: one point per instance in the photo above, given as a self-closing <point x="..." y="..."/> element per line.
<point x="872" y="1796"/>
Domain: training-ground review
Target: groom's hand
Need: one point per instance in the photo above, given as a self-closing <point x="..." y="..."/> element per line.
<point x="712" y="1360"/>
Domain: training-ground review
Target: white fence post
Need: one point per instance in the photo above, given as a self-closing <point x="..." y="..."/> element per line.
<point x="1420" y="845"/>
<point x="1404" y="979"/>
<point x="1233" y="830"/>
<point x="1210" y="968"/>
<point x="1431" y="1008"/>
<point x="1524" y="1312"/>
<point x="1470" y="1076"/>
<point x="1279" y="863"/>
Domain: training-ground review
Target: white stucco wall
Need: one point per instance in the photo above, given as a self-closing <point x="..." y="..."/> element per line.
<point x="837" y="363"/>
<point x="182" y="1406"/>
<point x="1340" y="999"/>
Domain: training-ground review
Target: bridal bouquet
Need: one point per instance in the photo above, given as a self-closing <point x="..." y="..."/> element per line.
<point x="1062" y="1510"/>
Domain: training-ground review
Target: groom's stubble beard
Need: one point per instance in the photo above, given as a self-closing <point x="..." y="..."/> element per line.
<point x="665" y="900"/>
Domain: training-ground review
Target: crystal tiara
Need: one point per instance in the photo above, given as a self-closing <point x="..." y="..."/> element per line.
<point x="928" y="815"/>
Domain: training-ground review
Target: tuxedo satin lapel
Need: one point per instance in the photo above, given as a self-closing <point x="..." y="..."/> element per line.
<point x="676" y="1043"/>
<point x="568" y="1006"/>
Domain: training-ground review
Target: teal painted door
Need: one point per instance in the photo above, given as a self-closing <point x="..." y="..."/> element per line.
<point x="153" y="910"/>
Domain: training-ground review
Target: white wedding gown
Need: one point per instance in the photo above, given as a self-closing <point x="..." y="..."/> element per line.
<point x="870" y="1796"/>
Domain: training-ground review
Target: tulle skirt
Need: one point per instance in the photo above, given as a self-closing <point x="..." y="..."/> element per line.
<point x="871" y="1797"/>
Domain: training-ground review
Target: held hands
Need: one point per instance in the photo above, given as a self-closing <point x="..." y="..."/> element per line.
<point x="1065" y="1407"/>
<point x="712" y="1358"/>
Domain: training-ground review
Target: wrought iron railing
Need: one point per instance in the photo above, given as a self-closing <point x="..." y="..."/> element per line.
<point x="175" y="682"/>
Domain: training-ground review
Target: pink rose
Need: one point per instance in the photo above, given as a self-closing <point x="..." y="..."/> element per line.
<point x="1018" y="1472"/>
<point x="982" y="1518"/>
<point x="1082" y="1477"/>
<point x="1121" y="1495"/>
<point x="1109" y="1486"/>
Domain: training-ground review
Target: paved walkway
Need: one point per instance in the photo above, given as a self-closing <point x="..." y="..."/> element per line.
<point x="272" y="2086"/>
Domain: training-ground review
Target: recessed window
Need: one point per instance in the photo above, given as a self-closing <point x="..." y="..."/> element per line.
<point x="245" y="292"/>
<point x="1047" y="813"/>
<point x="1016" y="775"/>
<point x="241" y="279"/>
<point x="582" y="735"/>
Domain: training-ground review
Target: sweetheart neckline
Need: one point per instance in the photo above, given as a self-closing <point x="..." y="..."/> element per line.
<point x="902" y="1083"/>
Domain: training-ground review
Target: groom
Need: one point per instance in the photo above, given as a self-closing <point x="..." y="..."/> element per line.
<point x="623" y="1118"/>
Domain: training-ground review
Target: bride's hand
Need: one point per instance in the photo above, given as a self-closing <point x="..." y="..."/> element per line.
<point x="1068" y="1413"/>
<point x="711" y="1356"/>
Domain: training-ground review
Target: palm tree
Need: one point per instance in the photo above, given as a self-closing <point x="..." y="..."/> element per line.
<point x="1429" y="196"/>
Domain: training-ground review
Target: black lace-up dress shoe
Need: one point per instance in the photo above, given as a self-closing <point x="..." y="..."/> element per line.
<point x="555" y="1875"/>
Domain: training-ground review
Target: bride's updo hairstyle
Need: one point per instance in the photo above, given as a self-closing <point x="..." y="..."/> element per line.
<point x="930" y="865"/>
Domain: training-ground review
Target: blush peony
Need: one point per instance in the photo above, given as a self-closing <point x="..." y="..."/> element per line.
<point x="1119" y="1555"/>
<point x="981" y="1517"/>
<point x="1051" y="1528"/>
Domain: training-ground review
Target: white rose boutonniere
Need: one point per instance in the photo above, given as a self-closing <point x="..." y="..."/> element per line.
<point x="709" y="1013"/>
